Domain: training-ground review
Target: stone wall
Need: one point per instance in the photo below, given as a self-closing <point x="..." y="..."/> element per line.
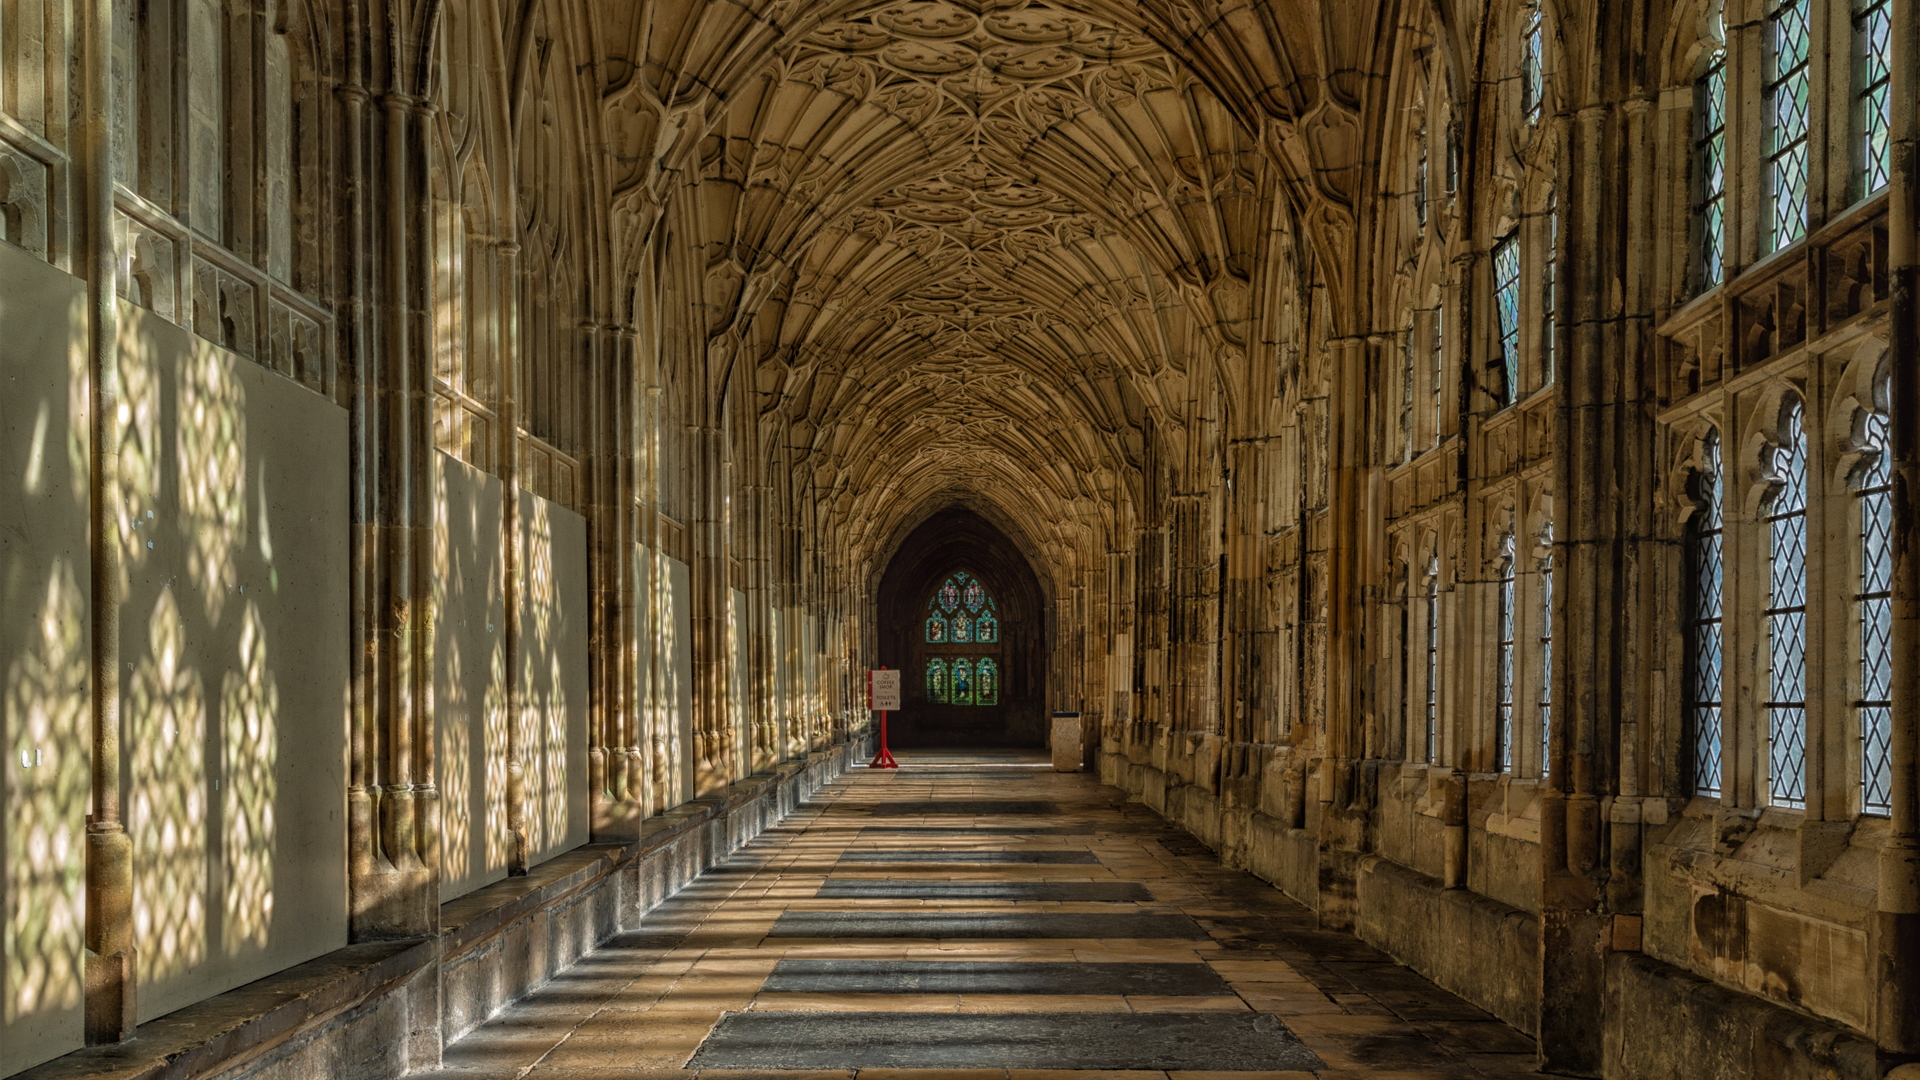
<point x="385" y="1009"/>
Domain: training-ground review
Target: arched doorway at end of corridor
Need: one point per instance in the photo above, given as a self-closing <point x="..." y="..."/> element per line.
<point x="962" y="614"/>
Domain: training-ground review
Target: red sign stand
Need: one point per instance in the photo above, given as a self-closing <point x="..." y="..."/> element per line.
<point x="883" y="759"/>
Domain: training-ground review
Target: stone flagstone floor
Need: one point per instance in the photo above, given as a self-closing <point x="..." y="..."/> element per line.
<point x="976" y="915"/>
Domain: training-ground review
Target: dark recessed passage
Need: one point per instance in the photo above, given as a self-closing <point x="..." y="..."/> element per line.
<point x="796" y="1040"/>
<point x="994" y="977"/>
<point x="1054" y="858"/>
<point x="1063" y="892"/>
<point x="981" y="830"/>
<point x="972" y="925"/>
<point x="965" y="807"/>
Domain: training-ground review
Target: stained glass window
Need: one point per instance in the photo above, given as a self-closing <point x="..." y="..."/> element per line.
<point x="1546" y="645"/>
<point x="1710" y="168"/>
<point x="1506" y="305"/>
<point x="1433" y="658"/>
<point x="1874" y="706"/>
<point x="1532" y="74"/>
<point x="1786" y="517"/>
<point x="963" y="682"/>
<point x="1785" y="90"/>
<point x="1704" y="619"/>
<point x="1503" y="662"/>
<point x="1873" y="74"/>
<point x="962" y="611"/>
<point x="937" y="676"/>
<point x="986" y="681"/>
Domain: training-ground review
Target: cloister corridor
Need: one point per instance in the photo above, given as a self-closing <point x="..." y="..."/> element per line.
<point x="975" y="916"/>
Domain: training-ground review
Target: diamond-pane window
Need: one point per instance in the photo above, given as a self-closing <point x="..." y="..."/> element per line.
<point x="1874" y="706"/>
<point x="1503" y="661"/>
<point x="1710" y="169"/>
<point x="1406" y="399"/>
<point x="1786" y="520"/>
<point x="1872" y="80"/>
<point x="1439" y="365"/>
<point x="1546" y="645"/>
<point x="1506" y="306"/>
<point x="1433" y="659"/>
<point x="1532" y="68"/>
<point x="1704" y="611"/>
<point x="1785" y="90"/>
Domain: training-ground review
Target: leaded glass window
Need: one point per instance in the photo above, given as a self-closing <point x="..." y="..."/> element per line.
<point x="1433" y="658"/>
<point x="1704" y="654"/>
<point x="986" y="675"/>
<point x="1439" y="365"/>
<point x="1503" y="661"/>
<point x="938" y="675"/>
<point x="1785" y="91"/>
<point x="1546" y="646"/>
<point x="1420" y="182"/>
<point x="1550" y="281"/>
<point x="1710" y="169"/>
<point x="1786" y="520"/>
<point x="963" y="683"/>
<point x="1874" y="706"/>
<point x="962" y="611"/>
<point x="1532" y="73"/>
<point x="1406" y="399"/>
<point x="1872" y="78"/>
<point x="1506" y="305"/>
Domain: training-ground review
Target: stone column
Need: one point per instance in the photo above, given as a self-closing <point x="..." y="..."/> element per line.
<point x="711" y="661"/>
<point x="519" y="844"/>
<point x="110" y="980"/>
<point x="1574" y="928"/>
<point x="1343" y="820"/>
<point x="1897" y="962"/>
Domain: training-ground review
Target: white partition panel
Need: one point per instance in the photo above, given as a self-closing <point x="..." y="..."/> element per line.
<point x="469" y="675"/>
<point x="553" y="676"/>
<point x="234" y="664"/>
<point x="45" y="650"/>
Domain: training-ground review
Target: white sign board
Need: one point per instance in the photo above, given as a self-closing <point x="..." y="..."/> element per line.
<point x="883" y="690"/>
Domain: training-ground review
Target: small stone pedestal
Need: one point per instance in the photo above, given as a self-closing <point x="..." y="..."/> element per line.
<point x="1066" y="742"/>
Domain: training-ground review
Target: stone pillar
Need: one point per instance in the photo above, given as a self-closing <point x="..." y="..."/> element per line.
<point x="1575" y="930"/>
<point x="109" y="976"/>
<point x="1343" y="819"/>
<point x="711" y="660"/>
<point x="1897" y="922"/>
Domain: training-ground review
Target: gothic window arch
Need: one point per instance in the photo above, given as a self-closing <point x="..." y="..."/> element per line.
<point x="1705" y="587"/>
<point x="1872" y="491"/>
<point x="963" y="616"/>
<point x="1784" y="515"/>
